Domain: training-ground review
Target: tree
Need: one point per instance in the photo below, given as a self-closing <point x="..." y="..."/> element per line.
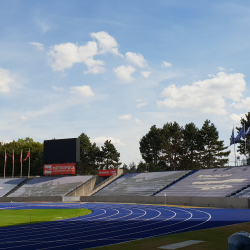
<point x="90" y="156"/>
<point x="213" y="153"/>
<point x="36" y="157"/>
<point x="192" y="147"/>
<point x="172" y="145"/>
<point x="150" y="146"/>
<point x="132" y="166"/>
<point x="110" y="156"/>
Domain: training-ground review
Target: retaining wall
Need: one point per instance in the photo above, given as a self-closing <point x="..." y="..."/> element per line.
<point x="219" y="202"/>
<point x="31" y="199"/>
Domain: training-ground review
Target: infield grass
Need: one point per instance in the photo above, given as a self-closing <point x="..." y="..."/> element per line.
<point x="28" y="216"/>
<point x="215" y="239"/>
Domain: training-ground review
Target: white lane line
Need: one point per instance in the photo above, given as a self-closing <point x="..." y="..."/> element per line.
<point x="111" y="238"/>
<point x="77" y="229"/>
<point x="70" y="229"/>
<point x="51" y="226"/>
<point x="82" y="236"/>
<point x="39" y="226"/>
<point x="88" y="227"/>
<point x="157" y="235"/>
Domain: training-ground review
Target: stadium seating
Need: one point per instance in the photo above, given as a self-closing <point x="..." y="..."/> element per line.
<point x="217" y="182"/>
<point x="7" y="184"/>
<point x="245" y="193"/>
<point x="50" y="186"/>
<point x="144" y="184"/>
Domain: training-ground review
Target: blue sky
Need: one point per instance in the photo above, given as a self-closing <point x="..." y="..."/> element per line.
<point x="112" y="69"/>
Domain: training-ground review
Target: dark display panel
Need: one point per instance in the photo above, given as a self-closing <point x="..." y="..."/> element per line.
<point x="61" y="151"/>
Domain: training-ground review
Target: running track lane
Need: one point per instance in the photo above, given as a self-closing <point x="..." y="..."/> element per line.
<point x="111" y="224"/>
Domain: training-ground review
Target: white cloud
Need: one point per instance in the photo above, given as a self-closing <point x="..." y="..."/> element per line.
<point x="166" y="64"/>
<point x="101" y="140"/>
<point x="231" y="69"/>
<point x="44" y="25"/>
<point x="65" y="55"/>
<point x="95" y="70"/>
<point x="23" y="117"/>
<point x="138" y="100"/>
<point x="125" y="117"/>
<point x="221" y="68"/>
<point x="107" y="43"/>
<point x="139" y="105"/>
<point x="38" y="46"/>
<point x="82" y="90"/>
<point x="243" y="104"/>
<point x="206" y="96"/>
<point x="57" y="88"/>
<point x="5" y="80"/>
<point x="137" y="59"/>
<point x="124" y="73"/>
<point x="236" y="118"/>
<point x="137" y="121"/>
<point x="146" y="74"/>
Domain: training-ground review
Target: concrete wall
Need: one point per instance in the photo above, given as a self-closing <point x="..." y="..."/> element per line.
<point x="223" y="202"/>
<point x="86" y="188"/>
<point x="31" y="199"/>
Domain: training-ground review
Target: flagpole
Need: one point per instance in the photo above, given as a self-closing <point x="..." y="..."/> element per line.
<point x="4" y="164"/>
<point x="21" y="163"/>
<point x="13" y="159"/>
<point x="234" y="151"/>
<point x="29" y="165"/>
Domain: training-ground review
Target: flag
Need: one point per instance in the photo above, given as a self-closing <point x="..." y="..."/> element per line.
<point x="248" y="131"/>
<point x="28" y="155"/>
<point x="5" y="157"/>
<point x="241" y="134"/>
<point x="232" y="138"/>
<point x="13" y="156"/>
<point x="21" y="156"/>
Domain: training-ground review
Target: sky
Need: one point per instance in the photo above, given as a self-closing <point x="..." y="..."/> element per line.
<point x="112" y="69"/>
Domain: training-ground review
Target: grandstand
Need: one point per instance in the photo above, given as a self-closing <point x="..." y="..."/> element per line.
<point x="141" y="184"/>
<point x="245" y="193"/>
<point x="50" y="186"/>
<point x="7" y="184"/>
<point x="216" y="182"/>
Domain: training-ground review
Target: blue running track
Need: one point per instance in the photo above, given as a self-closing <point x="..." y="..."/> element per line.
<point x="111" y="224"/>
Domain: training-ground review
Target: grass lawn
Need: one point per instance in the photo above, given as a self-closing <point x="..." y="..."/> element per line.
<point x="216" y="239"/>
<point x="27" y="216"/>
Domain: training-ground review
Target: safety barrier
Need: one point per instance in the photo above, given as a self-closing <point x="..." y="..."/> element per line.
<point x="219" y="202"/>
<point x="32" y="199"/>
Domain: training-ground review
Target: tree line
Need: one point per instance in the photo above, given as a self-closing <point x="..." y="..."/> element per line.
<point x="92" y="157"/>
<point x="174" y="147"/>
<point x="171" y="147"/>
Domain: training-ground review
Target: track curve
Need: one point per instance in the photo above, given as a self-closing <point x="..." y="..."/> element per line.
<point x="111" y="224"/>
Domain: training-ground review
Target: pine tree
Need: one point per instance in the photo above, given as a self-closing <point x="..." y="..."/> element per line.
<point x="172" y="145"/>
<point x="213" y="153"/>
<point x="150" y="146"/>
<point x="192" y="147"/>
<point x="90" y="156"/>
<point x="110" y="156"/>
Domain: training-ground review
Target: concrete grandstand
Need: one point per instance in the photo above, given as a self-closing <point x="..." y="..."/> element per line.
<point x="50" y="186"/>
<point x="216" y="182"/>
<point x="8" y="184"/>
<point x="141" y="184"/>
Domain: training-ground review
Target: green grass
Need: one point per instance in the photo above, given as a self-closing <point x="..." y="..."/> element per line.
<point x="27" y="216"/>
<point x="215" y="239"/>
